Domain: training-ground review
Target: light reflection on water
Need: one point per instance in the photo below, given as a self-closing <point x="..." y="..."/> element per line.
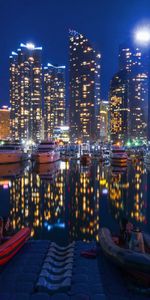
<point x="66" y="201"/>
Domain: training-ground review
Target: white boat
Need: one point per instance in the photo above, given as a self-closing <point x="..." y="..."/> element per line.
<point x="106" y="154"/>
<point x="118" y="156"/>
<point x="47" y="152"/>
<point x="147" y="158"/>
<point x="11" y="153"/>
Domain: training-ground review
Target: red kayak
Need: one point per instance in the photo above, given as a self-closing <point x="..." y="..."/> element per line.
<point x="9" y="248"/>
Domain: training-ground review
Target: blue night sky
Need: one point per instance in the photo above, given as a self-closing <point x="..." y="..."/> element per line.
<point x="106" y="23"/>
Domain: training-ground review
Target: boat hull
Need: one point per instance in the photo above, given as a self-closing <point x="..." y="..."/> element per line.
<point x="135" y="263"/>
<point x="44" y="158"/>
<point x="7" y="158"/>
<point x="13" y="245"/>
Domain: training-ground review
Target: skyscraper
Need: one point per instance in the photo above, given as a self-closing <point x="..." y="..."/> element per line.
<point x="138" y="105"/>
<point x="26" y="93"/>
<point x="54" y="98"/>
<point x="84" y="89"/>
<point x="119" y="110"/>
<point x="131" y="56"/>
<point x="133" y="69"/>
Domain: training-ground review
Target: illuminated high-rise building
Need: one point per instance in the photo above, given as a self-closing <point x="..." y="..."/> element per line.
<point x="135" y="60"/>
<point x="138" y="105"/>
<point x="104" y="112"/>
<point x="84" y="89"/>
<point x="132" y="89"/>
<point x="54" y="98"/>
<point x="119" y="110"/>
<point x="26" y="93"/>
<point x="131" y="57"/>
<point x="4" y="123"/>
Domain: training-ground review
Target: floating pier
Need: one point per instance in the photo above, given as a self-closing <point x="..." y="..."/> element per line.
<point x="44" y="271"/>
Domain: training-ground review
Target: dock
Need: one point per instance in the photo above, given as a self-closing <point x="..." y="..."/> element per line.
<point x="91" y="279"/>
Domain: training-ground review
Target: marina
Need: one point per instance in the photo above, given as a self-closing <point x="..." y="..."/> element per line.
<point x="75" y="150"/>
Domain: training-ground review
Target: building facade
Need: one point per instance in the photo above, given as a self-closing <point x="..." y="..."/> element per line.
<point x="138" y="105"/>
<point x="4" y="123"/>
<point x="131" y="56"/>
<point x="84" y="89"/>
<point x="54" y="99"/>
<point x="26" y="93"/>
<point x="129" y="96"/>
<point x="119" y="108"/>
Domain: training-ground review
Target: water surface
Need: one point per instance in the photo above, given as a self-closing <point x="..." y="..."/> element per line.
<point x="66" y="201"/>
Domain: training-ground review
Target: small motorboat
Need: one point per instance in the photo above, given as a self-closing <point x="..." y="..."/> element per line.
<point x="9" y="248"/>
<point x="134" y="263"/>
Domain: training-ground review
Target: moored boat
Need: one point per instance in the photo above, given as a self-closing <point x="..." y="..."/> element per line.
<point x="11" y="153"/>
<point x="134" y="263"/>
<point x="9" y="248"/>
<point x="47" y="152"/>
<point x="147" y="158"/>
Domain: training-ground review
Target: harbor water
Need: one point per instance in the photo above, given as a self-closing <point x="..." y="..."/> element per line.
<point x="66" y="201"/>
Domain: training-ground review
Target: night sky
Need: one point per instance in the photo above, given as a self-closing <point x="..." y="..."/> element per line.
<point x="106" y="23"/>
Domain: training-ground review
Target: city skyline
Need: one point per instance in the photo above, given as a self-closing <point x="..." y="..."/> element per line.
<point x="52" y="32"/>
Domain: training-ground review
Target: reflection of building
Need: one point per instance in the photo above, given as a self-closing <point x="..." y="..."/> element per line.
<point x="54" y="98"/>
<point x="128" y="195"/>
<point x="118" y="186"/>
<point x="37" y="203"/>
<point x="104" y="121"/>
<point x="119" y="107"/>
<point x="4" y="123"/>
<point x="84" y="204"/>
<point x="84" y="89"/>
<point x="26" y="93"/>
<point x="138" y="193"/>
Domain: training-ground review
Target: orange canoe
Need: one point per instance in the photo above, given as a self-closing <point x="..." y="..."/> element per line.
<point x="9" y="248"/>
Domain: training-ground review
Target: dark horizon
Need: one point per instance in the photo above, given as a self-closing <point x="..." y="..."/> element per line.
<point x="46" y="24"/>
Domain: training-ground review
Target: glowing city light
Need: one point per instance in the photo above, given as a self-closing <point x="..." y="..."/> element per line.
<point x="142" y="35"/>
<point x="30" y="46"/>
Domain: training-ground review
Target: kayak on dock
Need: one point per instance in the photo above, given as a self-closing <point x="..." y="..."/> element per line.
<point x="9" y="248"/>
<point x="135" y="263"/>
